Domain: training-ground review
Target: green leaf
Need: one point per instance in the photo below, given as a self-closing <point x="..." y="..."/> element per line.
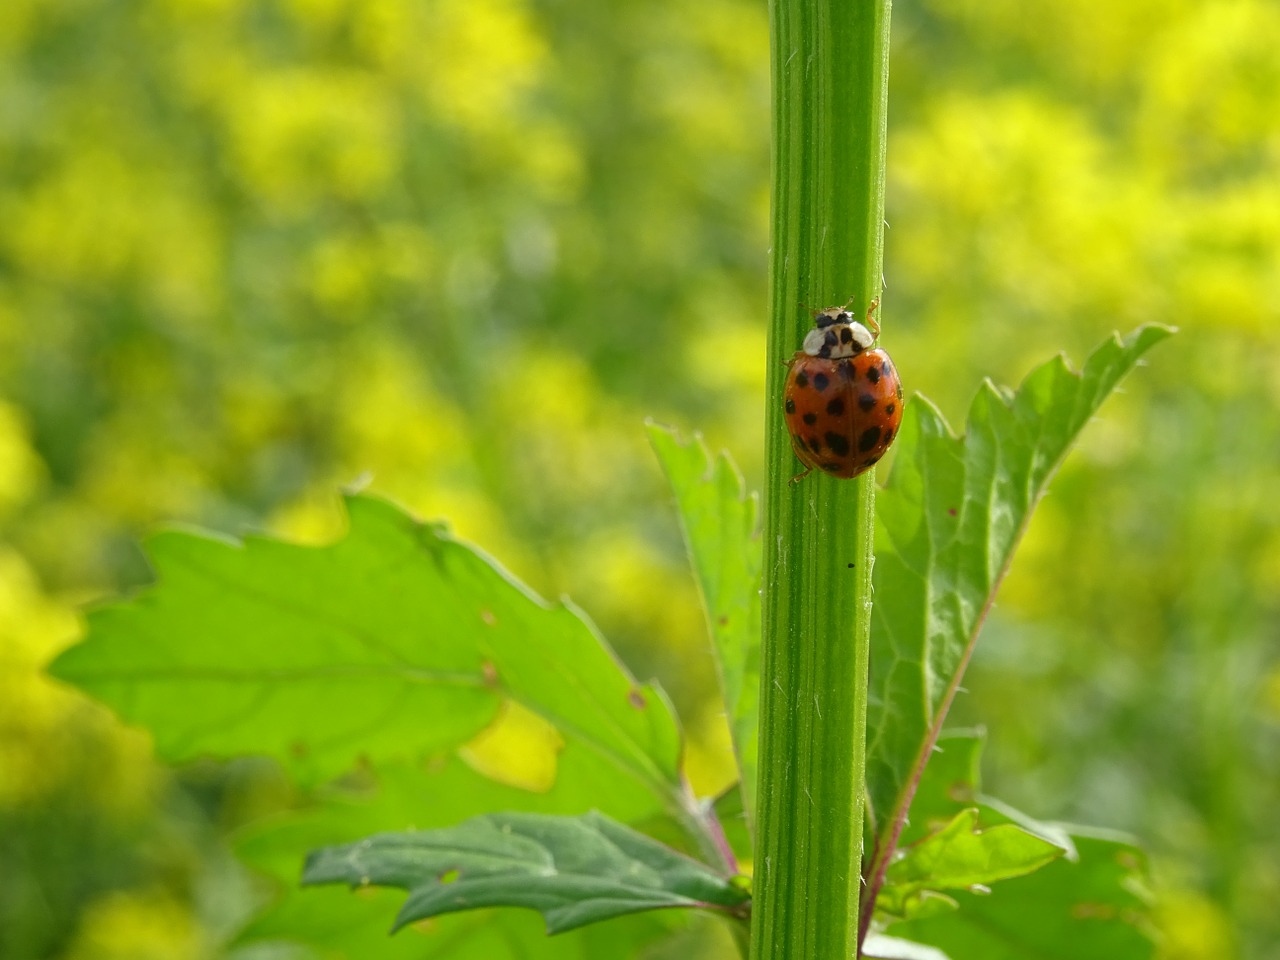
<point x="332" y="922"/>
<point x="915" y="904"/>
<point x="396" y="640"/>
<point x="573" y="870"/>
<point x="1093" y="907"/>
<point x="719" y="521"/>
<point x="950" y="783"/>
<point x="961" y="856"/>
<point x="1093" y="895"/>
<point x="947" y="524"/>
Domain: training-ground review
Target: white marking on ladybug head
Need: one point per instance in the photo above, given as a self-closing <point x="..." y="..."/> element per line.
<point x="862" y="336"/>
<point x="838" y="341"/>
<point x="813" y="341"/>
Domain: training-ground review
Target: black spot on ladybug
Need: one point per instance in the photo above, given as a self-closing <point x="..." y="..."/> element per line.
<point x="870" y="462"/>
<point x="839" y="444"/>
<point x="836" y="407"/>
<point x="801" y="380"/>
<point x="831" y="467"/>
<point x="847" y="372"/>
<point x="888" y="436"/>
<point x="791" y="405"/>
<point x="829" y="339"/>
<point x="889" y="409"/>
<point x="873" y="374"/>
<point x="898" y="390"/>
<point x="846" y="335"/>
<point x="820" y="382"/>
<point x="810" y="418"/>
<point x="870" y="437"/>
<point x="814" y="444"/>
<point x="867" y="402"/>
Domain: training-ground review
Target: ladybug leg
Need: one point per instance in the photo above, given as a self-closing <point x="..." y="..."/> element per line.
<point x="807" y="470"/>
<point x="871" y="321"/>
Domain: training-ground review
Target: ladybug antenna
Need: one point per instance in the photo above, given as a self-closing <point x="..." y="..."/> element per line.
<point x="827" y="315"/>
<point x="871" y="323"/>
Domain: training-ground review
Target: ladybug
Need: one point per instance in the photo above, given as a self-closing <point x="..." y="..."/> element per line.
<point x="843" y="399"/>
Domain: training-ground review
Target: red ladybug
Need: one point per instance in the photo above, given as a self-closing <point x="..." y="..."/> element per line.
<point x="843" y="399"/>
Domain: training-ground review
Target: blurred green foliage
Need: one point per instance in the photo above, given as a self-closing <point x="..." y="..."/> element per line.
<point x="251" y="249"/>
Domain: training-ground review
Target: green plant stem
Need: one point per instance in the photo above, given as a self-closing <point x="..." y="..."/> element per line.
<point x="829" y="92"/>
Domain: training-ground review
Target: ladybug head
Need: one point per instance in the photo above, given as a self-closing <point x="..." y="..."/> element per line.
<point x="831" y="316"/>
<point x="836" y="334"/>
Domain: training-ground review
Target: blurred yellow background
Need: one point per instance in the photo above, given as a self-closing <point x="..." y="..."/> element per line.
<point x="254" y="249"/>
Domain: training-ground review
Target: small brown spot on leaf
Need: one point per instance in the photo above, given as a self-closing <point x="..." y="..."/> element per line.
<point x="488" y="617"/>
<point x="636" y="699"/>
<point x="1127" y="860"/>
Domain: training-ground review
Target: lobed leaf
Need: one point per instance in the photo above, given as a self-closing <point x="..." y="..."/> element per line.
<point x="719" y="521"/>
<point x="330" y="922"/>
<point x="1089" y="901"/>
<point x="962" y="855"/>
<point x="419" y="796"/>
<point x="947" y="524"/>
<point x="573" y="870"/>
<point x="1094" y="906"/>
<point x="395" y="640"/>
<point x="952" y="782"/>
